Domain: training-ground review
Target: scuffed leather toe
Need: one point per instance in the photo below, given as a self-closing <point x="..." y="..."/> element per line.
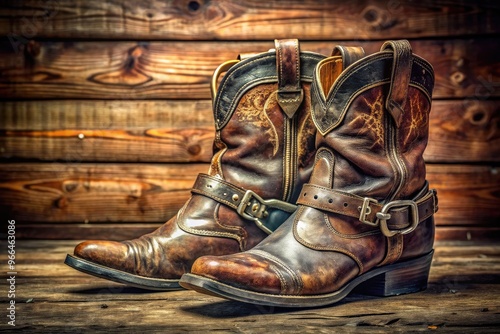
<point x="242" y="271"/>
<point x="107" y="253"/>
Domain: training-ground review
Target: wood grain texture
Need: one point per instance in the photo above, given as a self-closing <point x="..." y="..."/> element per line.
<point x="467" y="233"/>
<point x="122" y="131"/>
<point x="75" y="193"/>
<point x="464" y="131"/>
<point x="468" y="194"/>
<point x="249" y="19"/>
<point x="79" y="192"/>
<point x="462" y="296"/>
<point x="182" y="70"/>
<point x="183" y="131"/>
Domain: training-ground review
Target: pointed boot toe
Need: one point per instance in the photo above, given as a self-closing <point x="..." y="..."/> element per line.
<point x="107" y="253"/>
<point x="107" y="259"/>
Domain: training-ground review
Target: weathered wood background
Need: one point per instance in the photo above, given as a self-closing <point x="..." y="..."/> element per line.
<point x="105" y="112"/>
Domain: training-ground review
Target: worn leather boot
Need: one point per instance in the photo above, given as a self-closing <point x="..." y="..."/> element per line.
<point x="263" y="153"/>
<point x="365" y="219"/>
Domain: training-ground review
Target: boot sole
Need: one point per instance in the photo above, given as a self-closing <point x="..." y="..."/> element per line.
<point x="395" y="279"/>
<point x="146" y="283"/>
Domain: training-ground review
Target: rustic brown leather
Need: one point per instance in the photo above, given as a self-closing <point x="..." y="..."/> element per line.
<point x="373" y="121"/>
<point x="261" y="155"/>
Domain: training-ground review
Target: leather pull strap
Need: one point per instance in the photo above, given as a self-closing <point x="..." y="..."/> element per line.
<point x="350" y="54"/>
<point x="290" y="93"/>
<point x="400" y="78"/>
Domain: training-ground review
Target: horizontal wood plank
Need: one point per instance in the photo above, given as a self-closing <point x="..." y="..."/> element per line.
<point x="464" y="131"/>
<point x="83" y="193"/>
<point x="468" y="194"/>
<point x="249" y="19"/>
<point x="52" y="297"/>
<point x="183" y="131"/>
<point x="77" y="193"/>
<point x="182" y="70"/>
<point x="467" y="233"/>
<point x="124" y="131"/>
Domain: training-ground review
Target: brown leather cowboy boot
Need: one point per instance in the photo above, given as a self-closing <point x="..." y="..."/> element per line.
<point x="263" y="153"/>
<point x="365" y="219"/>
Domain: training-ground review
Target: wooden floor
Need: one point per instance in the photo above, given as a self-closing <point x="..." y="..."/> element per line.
<point x="463" y="297"/>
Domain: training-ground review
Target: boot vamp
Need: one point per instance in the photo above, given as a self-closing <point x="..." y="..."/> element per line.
<point x="285" y="263"/>
<point x="170" y="250"/>
<point x="166" y="253"/>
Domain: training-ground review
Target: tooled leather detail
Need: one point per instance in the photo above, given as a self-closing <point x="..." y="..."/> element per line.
<point x="249" y="73"/>
<point x="375" y="70"/>
<point x="292" y="286"/>
<point x="253" y="110"/>
<point x="418" y="119"/>
<point x="373" y="121"/>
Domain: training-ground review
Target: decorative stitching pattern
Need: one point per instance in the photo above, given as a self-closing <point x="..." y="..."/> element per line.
<point x="305" y="77"/>
<point x="326" y="104"/>
<point x="333" y="248"/>
<point x="297" y="284"/>
<point x="418" y="118"/>
<point x="283" y="283"/>
<point x="348" y="236"/>
<point x="204" y="232"/>
<point x="373" y="120"/>
<point x="250" y="111"/>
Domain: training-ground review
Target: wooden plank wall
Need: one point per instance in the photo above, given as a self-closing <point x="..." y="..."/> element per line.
<point x="105" y="114"/>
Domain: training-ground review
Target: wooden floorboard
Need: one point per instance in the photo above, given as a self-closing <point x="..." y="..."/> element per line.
<point x="463" y="296"/>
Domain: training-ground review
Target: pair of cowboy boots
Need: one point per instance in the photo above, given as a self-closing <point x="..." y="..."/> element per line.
<point x="343" y="138"/>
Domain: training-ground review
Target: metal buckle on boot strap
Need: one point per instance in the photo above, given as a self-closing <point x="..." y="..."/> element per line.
<point x="253" y="207"/>
<point x="383" y="216"/>
<point x="367" y="210"/>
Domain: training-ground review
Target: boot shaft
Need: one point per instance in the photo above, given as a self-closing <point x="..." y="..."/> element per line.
<point x="374" y="124"/>
<point x="265" y="137"/>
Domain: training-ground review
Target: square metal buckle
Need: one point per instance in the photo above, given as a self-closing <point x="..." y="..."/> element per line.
<point x="366" y="210"/>
<point x="384" y="215"/>
<point x="258" y="207"/>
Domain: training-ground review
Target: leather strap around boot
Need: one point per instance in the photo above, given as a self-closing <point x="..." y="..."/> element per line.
<point x="247" y="203"/>
<point x="400" y="78"/>
<point x="290" y="93"/>
<point x="396" y="217"/>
